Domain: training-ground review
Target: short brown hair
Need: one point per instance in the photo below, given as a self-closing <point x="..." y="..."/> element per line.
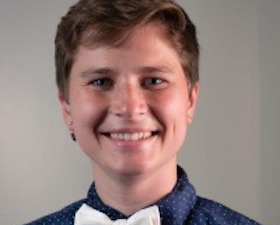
<point x="111" y="22"/>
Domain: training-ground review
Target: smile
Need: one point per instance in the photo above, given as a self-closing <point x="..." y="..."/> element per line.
<point x="134" y="136"/>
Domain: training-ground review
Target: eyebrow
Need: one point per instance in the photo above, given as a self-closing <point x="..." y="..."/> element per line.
<point x="110" y="72"/>
<point x="98" y="71"/>
<point x="155" y="69"/>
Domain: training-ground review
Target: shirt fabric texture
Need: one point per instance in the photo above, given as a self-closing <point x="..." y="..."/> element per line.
<point x="180" y="207"/>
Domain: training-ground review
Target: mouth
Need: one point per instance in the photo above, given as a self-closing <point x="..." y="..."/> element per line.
<point x="130" y="136"/>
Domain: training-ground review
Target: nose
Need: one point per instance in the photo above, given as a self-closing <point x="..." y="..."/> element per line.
<point x="128" y="101"/>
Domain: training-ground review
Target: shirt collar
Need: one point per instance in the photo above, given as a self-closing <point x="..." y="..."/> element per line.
<point x="174" y="207"/>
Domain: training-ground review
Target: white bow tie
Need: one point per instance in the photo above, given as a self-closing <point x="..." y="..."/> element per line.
<point x="89" y="216"/>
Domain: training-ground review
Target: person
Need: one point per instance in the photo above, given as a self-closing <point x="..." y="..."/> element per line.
<point x="127" y="75"/>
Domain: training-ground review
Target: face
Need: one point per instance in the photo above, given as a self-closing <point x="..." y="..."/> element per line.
<point x="129" y="106"/>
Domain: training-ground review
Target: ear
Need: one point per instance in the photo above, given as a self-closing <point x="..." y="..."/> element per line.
<point x="192" y="102"/>
<point x="66" y="112"/>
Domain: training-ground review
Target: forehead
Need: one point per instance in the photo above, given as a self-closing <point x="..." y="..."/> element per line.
<point x="94" y="39"/>
<point x="145" y="45"/>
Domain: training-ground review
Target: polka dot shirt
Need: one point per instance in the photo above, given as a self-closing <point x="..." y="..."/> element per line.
<point x="180" y="207"/>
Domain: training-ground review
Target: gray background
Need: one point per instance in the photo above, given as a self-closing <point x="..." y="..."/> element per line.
<point x="232" y="150"/>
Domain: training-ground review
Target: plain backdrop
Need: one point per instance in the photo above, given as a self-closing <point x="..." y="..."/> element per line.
<point x="232" y="150"/>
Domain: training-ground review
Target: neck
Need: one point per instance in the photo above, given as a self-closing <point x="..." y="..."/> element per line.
<point x="129" y="194"/>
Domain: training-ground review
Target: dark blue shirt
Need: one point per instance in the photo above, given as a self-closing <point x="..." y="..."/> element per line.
<point x="180" y="207"/>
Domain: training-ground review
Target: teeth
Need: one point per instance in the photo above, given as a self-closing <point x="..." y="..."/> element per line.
<point x="130" y="136"/>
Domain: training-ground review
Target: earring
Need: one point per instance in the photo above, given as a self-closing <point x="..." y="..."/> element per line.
<point x="73" y="136"/>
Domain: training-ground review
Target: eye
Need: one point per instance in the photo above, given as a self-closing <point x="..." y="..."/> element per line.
<point x="153" y="83"/>
<point x="102" y="83"/>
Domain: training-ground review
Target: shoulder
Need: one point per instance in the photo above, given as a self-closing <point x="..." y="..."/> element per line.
<point x="207" y="211"/>
<point x="64" y="216"/>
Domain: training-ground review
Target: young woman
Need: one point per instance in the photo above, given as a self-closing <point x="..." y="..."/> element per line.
<point x="127" y="74"/>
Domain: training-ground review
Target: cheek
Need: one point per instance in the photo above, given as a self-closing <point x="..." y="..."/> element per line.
<point x="172" y="112"/>
<point x="87" y="112"/>
<point x="87" y="115"/>
<point x="172" y="106"/>
<point x="176" y="116"/>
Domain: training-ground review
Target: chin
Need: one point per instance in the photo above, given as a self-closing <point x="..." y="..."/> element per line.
<point x="133" y="169"/>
